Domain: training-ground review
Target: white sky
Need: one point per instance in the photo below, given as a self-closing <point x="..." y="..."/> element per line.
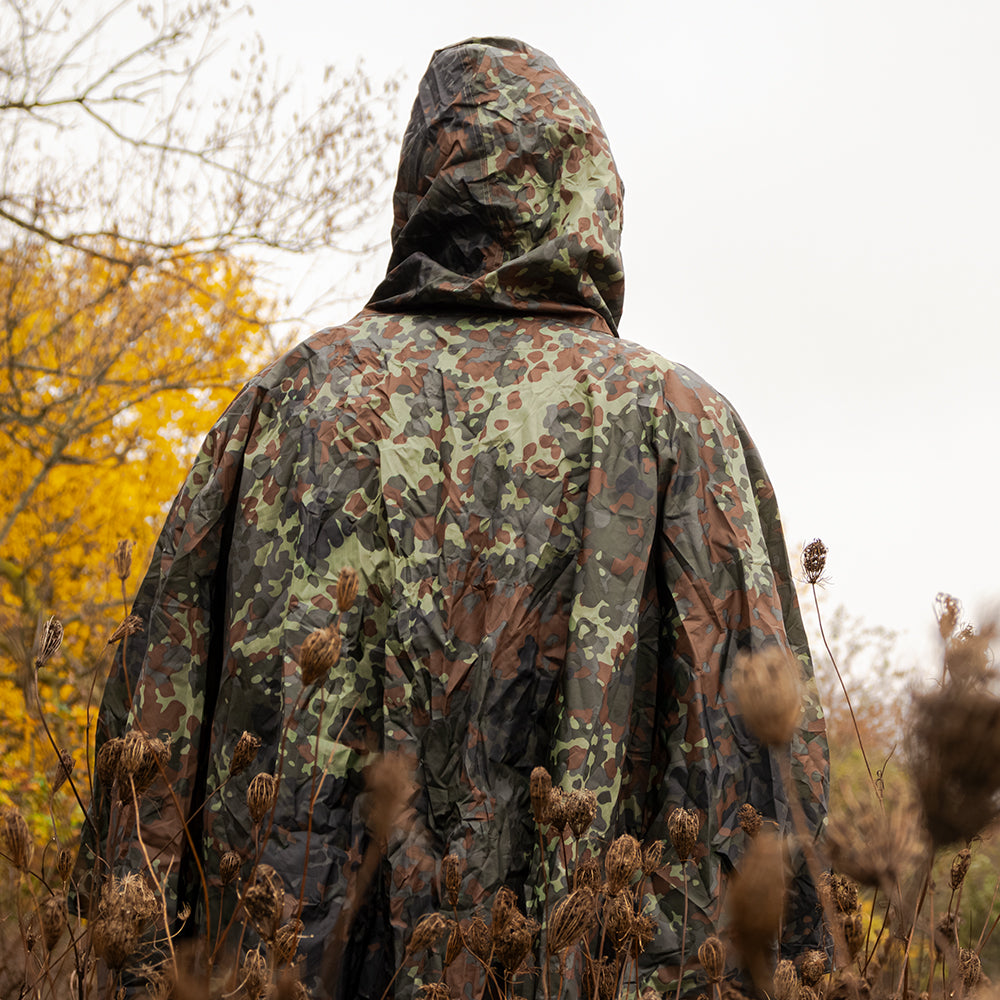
<point x="812" y="223"/>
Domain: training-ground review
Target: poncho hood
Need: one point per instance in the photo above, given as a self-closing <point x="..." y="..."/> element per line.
<point x="507" y="196"/>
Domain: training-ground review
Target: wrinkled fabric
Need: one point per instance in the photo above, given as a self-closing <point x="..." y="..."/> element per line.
<point x="562" y="540"/>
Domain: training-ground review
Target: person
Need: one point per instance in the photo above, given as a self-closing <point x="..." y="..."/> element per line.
<point x="561" y="542"/>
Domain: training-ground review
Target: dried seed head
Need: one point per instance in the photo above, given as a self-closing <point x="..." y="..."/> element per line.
<point x="967" y="656"/>
<point x="750" y="820"/>
<point x="953" y="748"/>
<point x="570" y="920"/>
<point x="478" y="939"/>
<point x="62" y="770"/>
<point x="53" y="919"/>
<point x="427" y="931"/>
<point x="128" y="626"/>
<point x="262" y="793"/>
<point x="621" y="862"/>
<point x="768" y="689"/>
<point x="319" y="654"/>
<point x="807" y="993"/>
<point x="541" y="785"/>
<point x="618" y="917"/>
<point x="874" y="847"/>
<point x="454" y="947"/>
<point x="756" y="903"/>
<point x="114" y="940"/>
<point x="643" y="931"/>
<point x="960" y="867"/>
<point x="512" y="944"/>
<point x="814" y="560"/>
<point x="347" y="588"/>
<point x="587" y="874"/>
<point x="229" y="866"/>
<point x="581" y="808"/>
<point x="839" y="891"/>
<point x="812" y="967"/>
<point x="786" y="981"/>
<point x="946" y="933"/>
<point x="64" y="864"/>
<point x="608" y="973"/>
<point x="652" y="857"/>
<point x="244" y="753"/>
<point x="123" y="559"/>
<point x="107" y="760"/>
<point x="452" y="877"/>
<point x="141" y="761"/>
<point x="712" y="955"/>
<point x="854" y="933"/>
<point x="50" y="641"/>
<point x="556" y="811"/>
<point x="504" y="907"/>
<point x="264" y="901"/>
<point x="254" y="974"/>
<point x="683" y="826"/>
<point x="435" y="991"/>
<point x="286" y="942"/>
<point x="948" y="609"/>
<point x="971" y="968"/>
<point x="16" y="838"/>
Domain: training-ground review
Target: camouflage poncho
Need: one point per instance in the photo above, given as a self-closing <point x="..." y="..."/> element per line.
<point x="562" y="541"/>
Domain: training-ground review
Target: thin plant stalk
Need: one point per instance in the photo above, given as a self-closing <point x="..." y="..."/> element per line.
<point x="680" y="968"/>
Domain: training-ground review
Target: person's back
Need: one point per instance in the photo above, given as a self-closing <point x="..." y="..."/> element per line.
<point x="561" y="542"/>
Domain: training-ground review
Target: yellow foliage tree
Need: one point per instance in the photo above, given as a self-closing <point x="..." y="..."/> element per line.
<point x="108" y="380"/>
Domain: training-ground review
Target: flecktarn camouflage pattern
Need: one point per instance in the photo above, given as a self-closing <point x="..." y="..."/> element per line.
<point x="562" y="541"/>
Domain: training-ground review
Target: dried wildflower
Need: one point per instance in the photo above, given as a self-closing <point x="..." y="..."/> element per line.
<point x="140" y="762"/>
<point x="114" y="940"/>
<point x="16" y="839"/>
<point x="807" y="993"/>
<point x="454" y="947"/>
<point x="244" y="753"/>
<point x="51" y="640"/>
<point x="608" y="973"/>
<point x="541" y="785"/>
<point x="229" y="866"/>
<point x="967" y="655"/>
<point x="683" y="826"/>
<point x="264" y="901"/>
<point x="427" y="931"/>
<point x="452" y="878"/>
<point x="749" y="819"/>
<point x="53" y="919"/>
<point x="286" y="942"/>
<point x="107" y="760"/>
<point x="712" y="955"/>
<point x="618" y="916"/>
<point x="960" y="867"/>
<point x="128" y="626"/>
<point x="954" y="754"/>
<point x="125" y="909"/>
<point x="814" y="561"/>
<point x="347" y="588"/>
<point x="643" y="931"/>
<point x="262" y="793"/>
<point x="555" y="810"/>
<point x="768" y="689"/>
<point x="621" y="862"/>
<point x="874" y="847"/>
<point x="652" y="857"/>
<point x="812" y="967"/>
<point x="511" y="944"/>
<point x="123" y="559"/>
<point x="504" y="907"/>
<point x="854" y="933"/>
<point x="478" y="939"/>
<point x="570" y="920"/>
<point x="254" y="974"/>
<point x="971" y="968"/>
<point x="64" y="864"/>
<point x="948" y="609"/>
<point x="581" y="808"/>
<point x="756" y="903"/>
<point x="62" y="771"/>
<point x="587" y="874"/>
<point x="839" y="891"/>
<point x="786" y="981"/>
<point x="319" y="654"/>
<point x="435" y="991"/>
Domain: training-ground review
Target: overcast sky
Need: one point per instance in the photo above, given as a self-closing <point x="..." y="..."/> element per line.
<point x="812" y="224"/>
